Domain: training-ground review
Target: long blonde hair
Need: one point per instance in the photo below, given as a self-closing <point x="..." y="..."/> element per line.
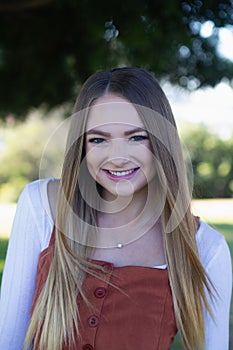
<point x="55" y="319"/>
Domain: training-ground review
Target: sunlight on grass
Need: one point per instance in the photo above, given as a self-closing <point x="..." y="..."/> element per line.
<point x="217" y="211"/>
<point x="1" y="264"/>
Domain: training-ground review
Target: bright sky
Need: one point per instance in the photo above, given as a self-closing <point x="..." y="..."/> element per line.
<point x="211" y="106"/>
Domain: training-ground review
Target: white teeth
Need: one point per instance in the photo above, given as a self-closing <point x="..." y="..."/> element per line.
<point x="121" y="173"/>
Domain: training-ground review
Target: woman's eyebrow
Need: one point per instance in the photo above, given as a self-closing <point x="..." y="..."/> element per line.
<point x="133" y="131"/>
<point x="107" y="134"/>
<point x="98" y="132"/>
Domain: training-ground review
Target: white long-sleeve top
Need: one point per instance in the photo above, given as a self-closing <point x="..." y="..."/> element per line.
<point x="31" y="234"/>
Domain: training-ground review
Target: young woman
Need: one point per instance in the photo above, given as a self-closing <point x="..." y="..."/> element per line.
<point x="111" y="256"/>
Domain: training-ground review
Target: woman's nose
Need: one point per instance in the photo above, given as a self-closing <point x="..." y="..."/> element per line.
<point x="118" y="154"/>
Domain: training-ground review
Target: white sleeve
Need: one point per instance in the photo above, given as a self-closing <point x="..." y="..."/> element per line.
<point x="18" y="284"/>
<point x="219" y="270"/>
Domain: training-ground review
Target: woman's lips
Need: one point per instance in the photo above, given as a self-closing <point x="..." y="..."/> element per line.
<point x="117" y="175"/>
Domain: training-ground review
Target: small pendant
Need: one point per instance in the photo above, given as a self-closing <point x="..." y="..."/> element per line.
<point x="119" y="245"/>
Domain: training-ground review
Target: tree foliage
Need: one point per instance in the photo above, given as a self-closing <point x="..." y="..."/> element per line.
<point x="48" y="47"/>
<point x="212" y="161"/>
<point x="28" y="151"/>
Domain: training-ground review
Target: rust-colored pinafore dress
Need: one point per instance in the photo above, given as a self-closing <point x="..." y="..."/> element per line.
<point x="139" y="317"/>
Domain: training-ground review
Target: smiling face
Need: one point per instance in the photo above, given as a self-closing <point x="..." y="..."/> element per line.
<point x="118" y="151"/>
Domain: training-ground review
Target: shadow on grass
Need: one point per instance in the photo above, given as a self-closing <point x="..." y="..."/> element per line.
<point x="177" y="343"/>
<point x="3" y="249"/>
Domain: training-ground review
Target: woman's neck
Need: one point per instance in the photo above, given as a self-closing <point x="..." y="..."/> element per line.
<point x="143" y="209"/>
<point x="124" y="220"/>
<point x="121" y="211"/>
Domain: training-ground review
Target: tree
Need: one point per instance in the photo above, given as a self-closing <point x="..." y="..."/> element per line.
<point x="212" y="161"/>
<point x="30" y="150"/>
<point x="48" y="47"/>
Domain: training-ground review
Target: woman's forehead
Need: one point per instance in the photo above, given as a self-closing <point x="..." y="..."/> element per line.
<point x="112" y="110"/>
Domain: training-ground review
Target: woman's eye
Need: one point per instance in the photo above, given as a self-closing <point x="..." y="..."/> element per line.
<point x="96" y="140"/>
<point x="139" y="138"/>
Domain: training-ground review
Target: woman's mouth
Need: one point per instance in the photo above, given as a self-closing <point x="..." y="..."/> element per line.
<point x="121" y="174"/>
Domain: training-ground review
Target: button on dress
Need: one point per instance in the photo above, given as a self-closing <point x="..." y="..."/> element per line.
<point x="137" y="315"/>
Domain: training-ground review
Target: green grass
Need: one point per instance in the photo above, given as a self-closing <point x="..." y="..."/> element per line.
<point x="225" y="228"/>
<point x="3" y="248"/>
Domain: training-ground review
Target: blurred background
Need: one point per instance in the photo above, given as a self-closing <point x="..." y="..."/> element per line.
<point x="49" y="47"/>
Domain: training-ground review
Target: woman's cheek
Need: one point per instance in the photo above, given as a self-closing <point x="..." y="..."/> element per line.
<point x="93" y="160"/>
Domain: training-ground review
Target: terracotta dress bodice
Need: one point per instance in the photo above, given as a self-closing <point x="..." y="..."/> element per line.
<point x="139" y="316"/>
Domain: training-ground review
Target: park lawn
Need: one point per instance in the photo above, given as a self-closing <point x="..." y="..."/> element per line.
<point x="225" y="228"/>
<point x="3" y="248"/>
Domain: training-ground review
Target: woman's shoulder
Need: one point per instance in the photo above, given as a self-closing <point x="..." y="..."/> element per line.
<point x="210" y="243"/>
<point x="37" y="186"/>
<point x="39" y="197"/>
<point x="33" y="219"/>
